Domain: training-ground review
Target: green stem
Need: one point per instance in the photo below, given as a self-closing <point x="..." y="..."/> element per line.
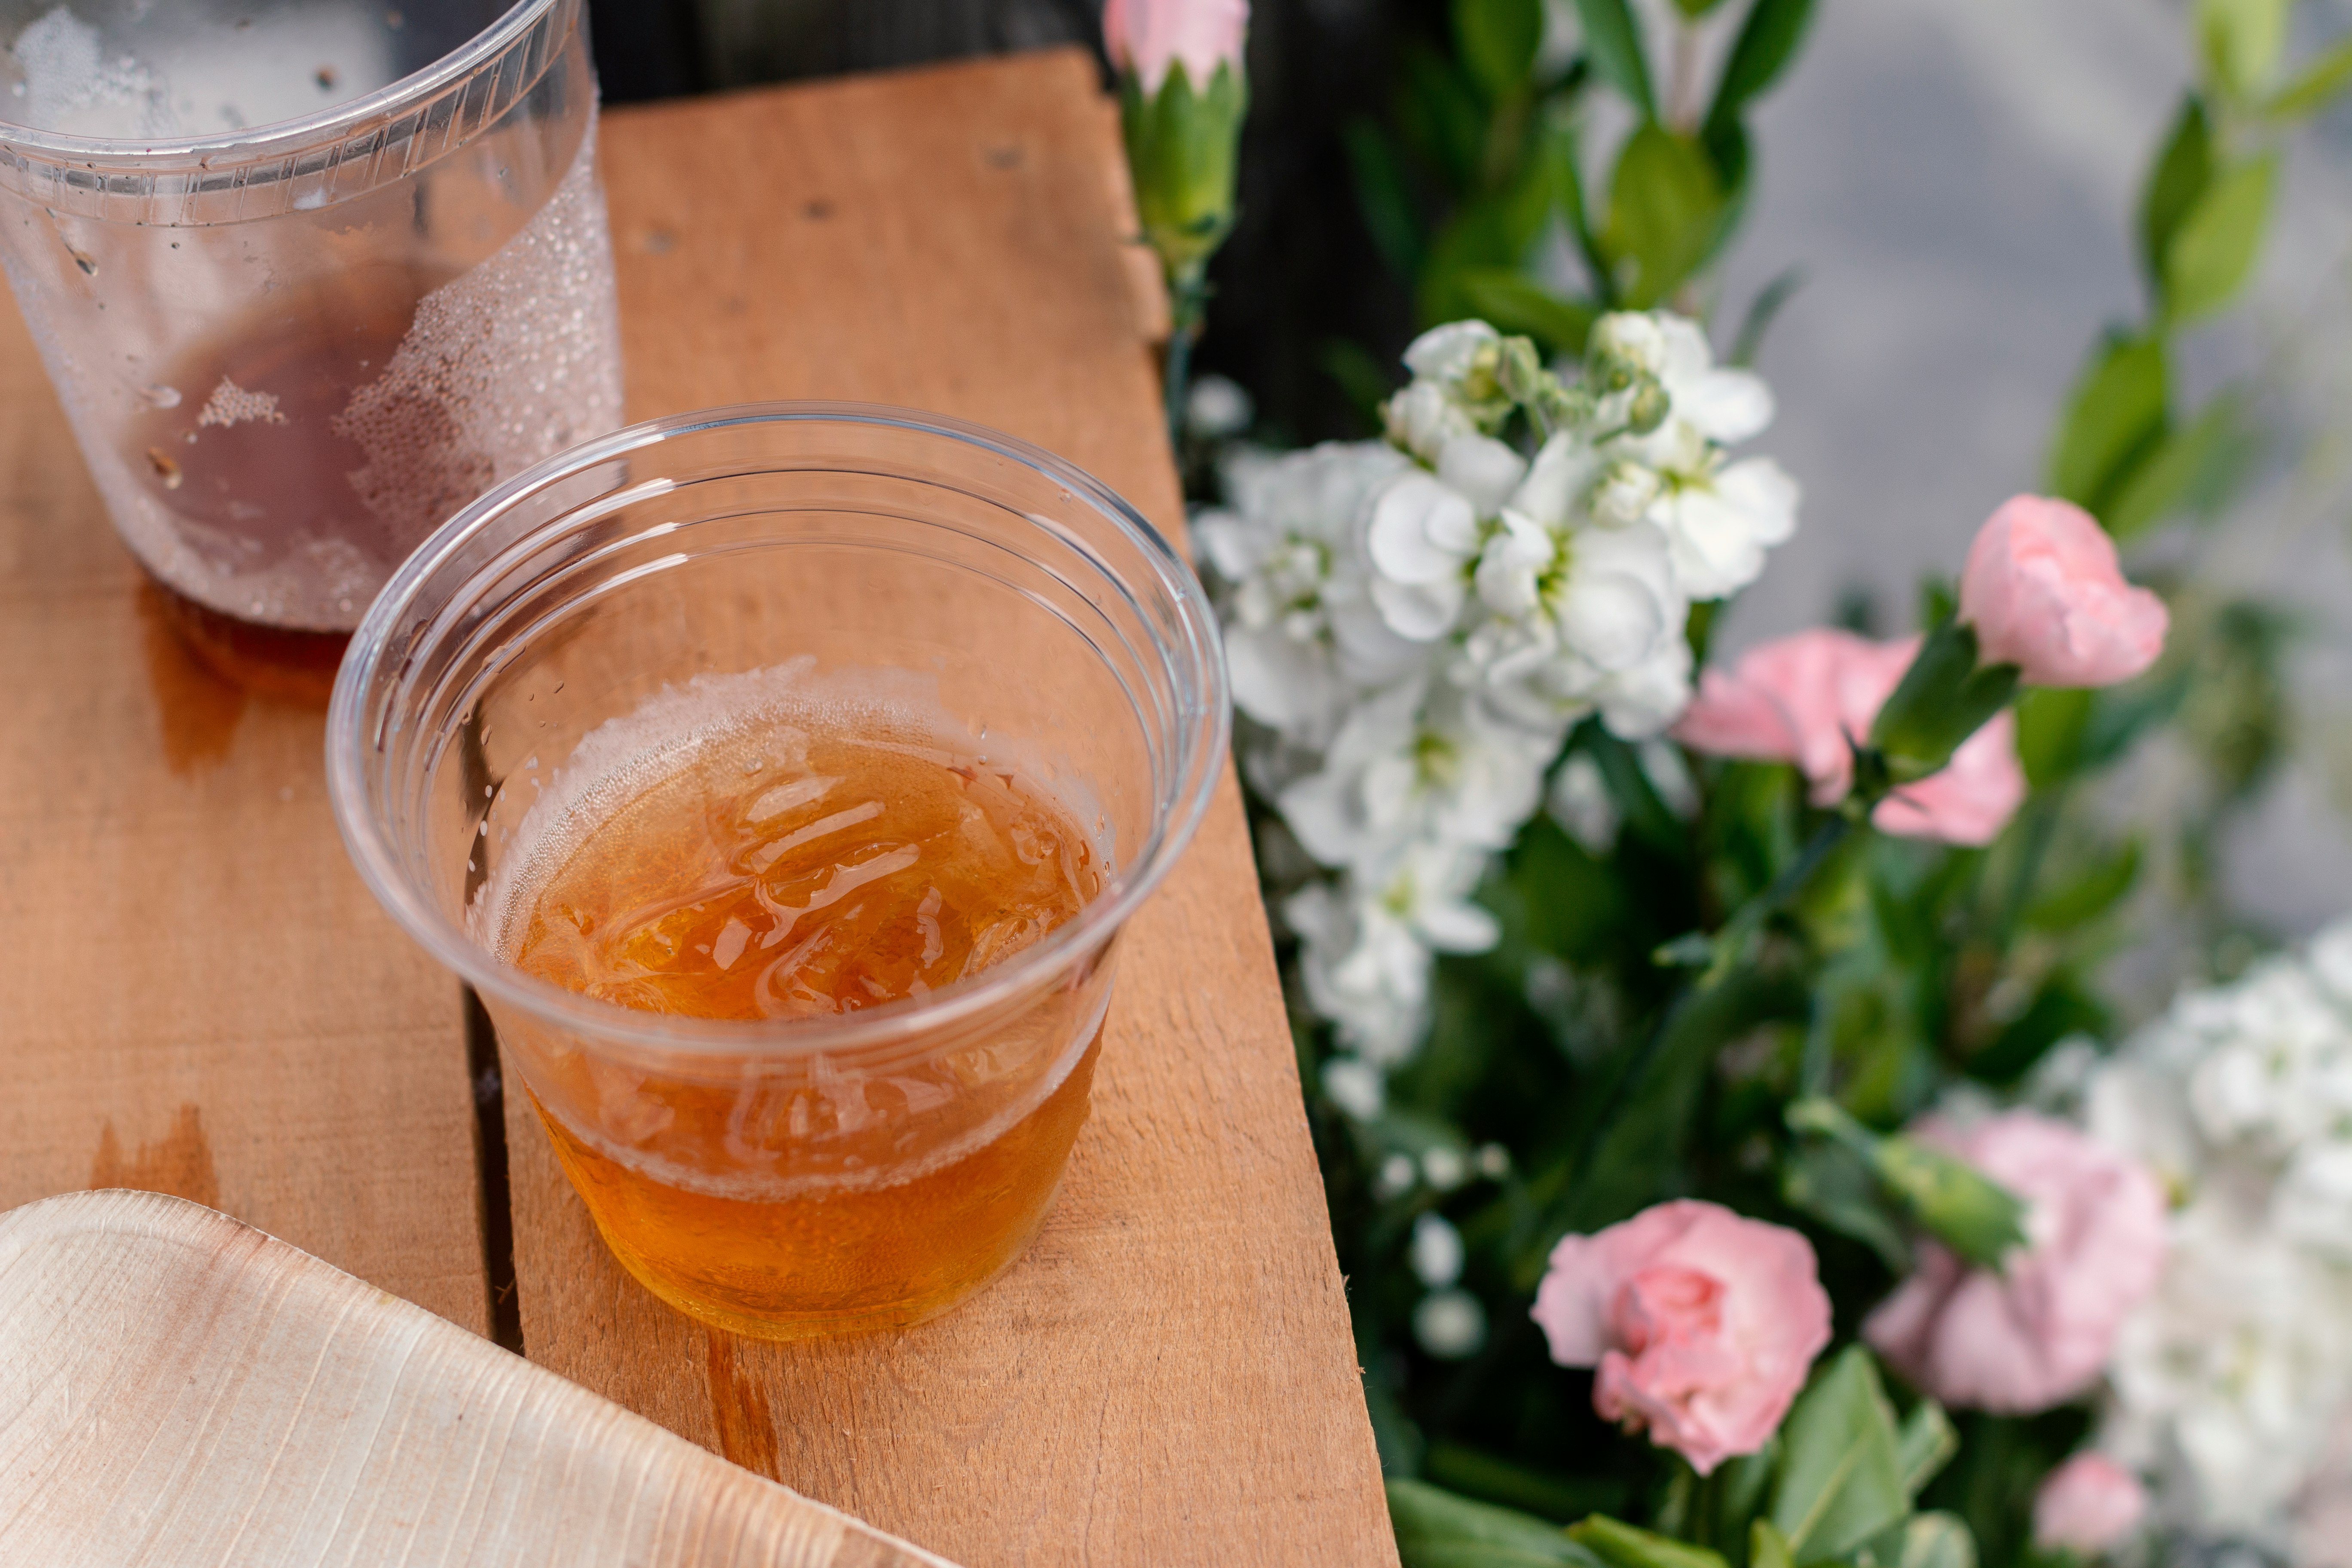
<point x="1187" y="302"/>
<point x="1732" y="941"/>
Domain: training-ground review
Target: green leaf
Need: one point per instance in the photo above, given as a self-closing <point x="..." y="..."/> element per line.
<point x="1767" y="41"/>
<point x="1435" y="1529"/>
<point x="1768" y="1548"/>
<point x="2182" y="172"/>
<point x="1439" y="114"/>
<point x="1762" y="311"/>
<point x="2318" y="85"/>
<point x="2190" y="469"/>
<point x="1663" y="204"/>
<point x="2088" y="896"/>
<point x="1383" y="195"/>
<point x="2063" y="1007"/>
<point x="1695" y="10"/>
<point x="1514" y="302"/>
<point x="1945" y="696"/>
<point x="1927" y="1540"/>
<point x="1498" y="40"/>
<point x="2050" y="726"/>
<point x="2241" y="40"/>
<point x="1621" y="1545"/>
<point x="2210" y="259"/>
<point x="1841" y="1477"/>
<point x="1490" y="1478"/>
<point x="1649" y="1110"/>
<point x="1840" y="1191"/>
<point x="1835" y="1186"/>
<point x="1924" y="1445"/>
<point x="2117" y="413"/>
<point x="1963" y="1208"/>
<point x="1975" y="1217"/>
<point x="1612" y="40"/>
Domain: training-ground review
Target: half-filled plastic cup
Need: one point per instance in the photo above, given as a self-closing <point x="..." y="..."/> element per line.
<point x="780" y="778"/>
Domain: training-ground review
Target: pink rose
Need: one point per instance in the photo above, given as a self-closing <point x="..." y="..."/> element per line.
<point x="1808" y="699"/>
<point x="2045" y="592"/>
<point x="1146" y="37"/>
<point x="1703" y="1324"/>
<point x="2039" y="1333"/>
<point x="2090" y="1504"/>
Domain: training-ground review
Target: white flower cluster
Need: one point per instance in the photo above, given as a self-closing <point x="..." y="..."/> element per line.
<point x="2228" y="1384"/>
<point x="1416" y="625"/>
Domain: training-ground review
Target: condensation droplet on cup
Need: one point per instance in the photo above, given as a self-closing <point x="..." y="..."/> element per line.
<point x="159" y="397"/>
<point x="165" y="469"/>
<point x="88" y="264"/>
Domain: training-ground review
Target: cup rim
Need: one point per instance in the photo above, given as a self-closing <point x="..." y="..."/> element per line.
<point x="323" y="126"/>
<point x="354" y="733"/>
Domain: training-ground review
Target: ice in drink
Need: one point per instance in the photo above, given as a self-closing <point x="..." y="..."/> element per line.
<point x="796" y="863"/>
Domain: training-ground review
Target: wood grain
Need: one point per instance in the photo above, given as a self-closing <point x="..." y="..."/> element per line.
<point x="177" y="1388"/>
<point x="1168" y="1377"/>
<point x="198" y="996"/>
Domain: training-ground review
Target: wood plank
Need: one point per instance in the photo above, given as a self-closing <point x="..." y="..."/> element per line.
<point x="281" y="1412"/>
<point x="200" y="997"/>
<point x="1168" y="1376"/>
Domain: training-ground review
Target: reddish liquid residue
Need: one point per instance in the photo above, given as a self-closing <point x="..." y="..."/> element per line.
<point x="270" y="661"/>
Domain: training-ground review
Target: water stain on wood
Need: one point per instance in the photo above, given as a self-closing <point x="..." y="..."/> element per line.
<point x="198" y="711"/>
<point x="747" y="1432"/>
<point x="180" y="1163"/>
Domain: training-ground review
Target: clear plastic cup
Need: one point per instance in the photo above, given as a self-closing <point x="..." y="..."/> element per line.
<point x="308" y="275"/>
<point x="816" y="1175"/>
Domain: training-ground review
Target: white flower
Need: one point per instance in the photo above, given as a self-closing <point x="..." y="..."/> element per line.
<point x="1422" y="538"/>
<point x="1580" y="803"/>
<point x="1301" y="631"/>
<point x="1450" y="1323"/>
<point x="1436" y="1251"/>
<point x="2227" y="1384"/>
<point x="1355" y="1086"/>
<point x="1719" y="521"/>
<point x="1217" y="407"/>
<point x="1723" y="405"/>
<point x="1369" y="942"/>
<point x="1445" y="1167"/>
<point x="1395" y="1177"/>
<point x="1424" y="417"/>
<point x="1440" y="405"/>
<point x="1581" y="615"/>
<point x="2278" y="1070"/>
<point x="1447" y="353"/>
<point x="1417" y="761"/>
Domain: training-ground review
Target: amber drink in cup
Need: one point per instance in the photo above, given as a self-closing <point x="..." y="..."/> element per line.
<point x="780" y="777"/>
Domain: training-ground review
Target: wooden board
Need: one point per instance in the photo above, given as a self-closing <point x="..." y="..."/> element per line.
<point x="198" y="995"/>
<point x="177" y="1388"/>
<point x="1168" y="1376"/>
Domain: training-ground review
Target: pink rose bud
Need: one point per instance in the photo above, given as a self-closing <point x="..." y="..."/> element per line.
<point x="1146" y="37"/>
<point x="2041" y="1332"/>
<point x="2045" y="592"/>
<point x="1809" y="698"/>
<point x="2090" y="1504"/>
<point x="1702" y="1324"/>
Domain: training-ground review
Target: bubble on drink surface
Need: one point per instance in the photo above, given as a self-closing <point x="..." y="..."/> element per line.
<point x="232" y="404"/>
<point x="503" y="365"/>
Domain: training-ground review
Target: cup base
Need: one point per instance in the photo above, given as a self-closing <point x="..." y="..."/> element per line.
<point x="785" y="1329"/>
